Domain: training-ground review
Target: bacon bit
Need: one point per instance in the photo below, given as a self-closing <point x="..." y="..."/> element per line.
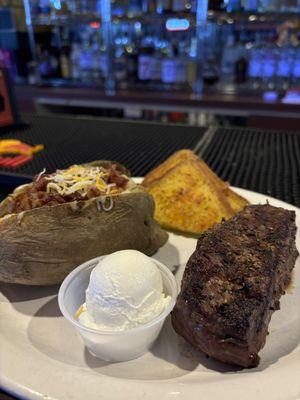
<point x="115" y="177"/>
<point x="93" y="192"/>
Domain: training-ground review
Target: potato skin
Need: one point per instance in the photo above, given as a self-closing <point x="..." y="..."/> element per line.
<point x="41" y="246"/>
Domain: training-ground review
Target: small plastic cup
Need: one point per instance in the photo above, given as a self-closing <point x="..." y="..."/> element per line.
<point x="109" y="345"/>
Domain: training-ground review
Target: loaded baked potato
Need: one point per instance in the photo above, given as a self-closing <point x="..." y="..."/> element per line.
<point x="53" y="224"/>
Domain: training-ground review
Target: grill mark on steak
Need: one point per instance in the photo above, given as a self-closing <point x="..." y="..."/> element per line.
<point x="233" y="282"/>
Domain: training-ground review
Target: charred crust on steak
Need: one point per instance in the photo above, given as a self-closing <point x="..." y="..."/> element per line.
<point x="233" y="282"/>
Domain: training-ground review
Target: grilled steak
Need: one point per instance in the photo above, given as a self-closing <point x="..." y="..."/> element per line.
<point x="233" y="282"/>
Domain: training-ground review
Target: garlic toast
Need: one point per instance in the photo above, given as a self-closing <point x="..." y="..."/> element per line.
<point x="171" y="162"/>
<point x="189" y="196"/>
<point x="188" y="200"/>
<point x="236" y="201"/>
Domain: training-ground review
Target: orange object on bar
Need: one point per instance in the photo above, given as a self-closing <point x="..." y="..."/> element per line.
<point x="19" y="160"/>
<point x="13" y="146"/>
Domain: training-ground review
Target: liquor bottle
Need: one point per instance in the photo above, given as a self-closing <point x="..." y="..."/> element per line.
<point x="148" y="6"/>
<point x="59" y="7"/>
<point x="119" y="8"/>
<point x="34" y="9"/>
<point x="256" y="55"/>
<point x="145" y="64"/>
<point x="229" y="58"/>
<point x="156" y="65"/>
<point x="289" y="6"/>
<point x="86" y="7"/>
<point x="234" y="5"/>
<point x="191" y="72"/>
<point x="269" y="63"/>
<point x="65" y="66"/>
<point x="96" y="72"/>
<point x="86" y="59"/>
<point x="48" y="65"/>
<point x="296" y="67"/>
<point x="44" y="7"/>
<point x="168" y="68"/>
<point x="181" y="66"/>
<point x="193" y="6"/>
<point x="285" y="64"/>
<point x="163" y="6"/>
<point x="241" y="64"/>
<point x="270" y="5"/>
<point x="120" y="58"/>
<point x="73" y="6"/>
<point x="132" y="64"/>
<point x="75" y="61"/>
<point x="134" y="7"/>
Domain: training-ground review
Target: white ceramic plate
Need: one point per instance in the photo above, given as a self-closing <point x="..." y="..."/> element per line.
<point x="42" y="357"/>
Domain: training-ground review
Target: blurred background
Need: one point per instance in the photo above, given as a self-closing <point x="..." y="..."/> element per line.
<point x="216" y="62"/>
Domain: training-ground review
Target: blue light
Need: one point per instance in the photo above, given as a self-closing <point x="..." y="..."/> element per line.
<point x="57" y="4"/>
<point x="159" y="8"/>
<point x="177" y="24"/>
<point x="269" y="97"/>
<point x="137" y="25"/>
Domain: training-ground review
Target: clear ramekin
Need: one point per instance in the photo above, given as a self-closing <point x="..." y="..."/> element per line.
<point x="109" y="345"/>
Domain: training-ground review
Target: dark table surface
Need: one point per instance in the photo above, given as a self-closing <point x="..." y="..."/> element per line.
<point x="264" y="161"/>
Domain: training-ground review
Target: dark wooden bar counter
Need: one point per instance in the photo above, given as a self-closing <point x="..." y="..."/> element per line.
<point x="255" y="107"/>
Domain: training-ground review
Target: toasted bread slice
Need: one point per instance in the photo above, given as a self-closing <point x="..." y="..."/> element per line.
<point x="236" y="201"/>
<point x="188" y="199"/>
<point x="171" y="162"/>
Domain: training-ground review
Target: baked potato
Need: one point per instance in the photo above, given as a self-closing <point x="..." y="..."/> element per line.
<point x="46" y="231"/>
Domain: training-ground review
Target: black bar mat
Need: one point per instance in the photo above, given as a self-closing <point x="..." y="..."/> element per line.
<point x="263" y="161"/>
<point x="139" y="146"/>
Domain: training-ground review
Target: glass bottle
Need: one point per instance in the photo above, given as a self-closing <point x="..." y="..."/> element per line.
<point x="269" y="63"/>
<point x="229" y="57"/>
<point x="168" y="68"/>
<point x="44" y="7"/>
<point x="144" y="64"/>
<point x="65" y="66"/>
<point x="234" y="5"/>
<point x="163" y="6"/>
<point x="285" y="64"/>
<point x="270" y="5"/>
<point x="296" y="66"/>
<point x="255" y="63"/>
<point x="75" y="60"/>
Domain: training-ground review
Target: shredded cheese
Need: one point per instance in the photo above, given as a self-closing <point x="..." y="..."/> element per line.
<point x="80" y="179"/>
